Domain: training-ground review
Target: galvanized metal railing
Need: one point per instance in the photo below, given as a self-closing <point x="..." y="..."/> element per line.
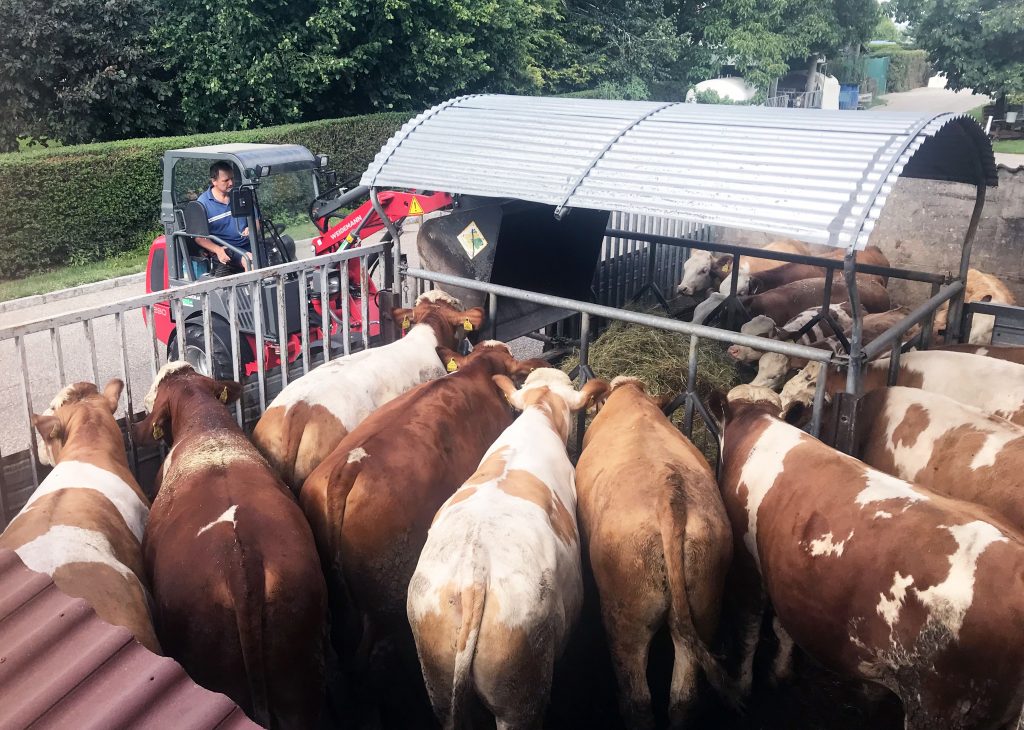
<point x="141" y="354"/>
<point x="587" y="310"/>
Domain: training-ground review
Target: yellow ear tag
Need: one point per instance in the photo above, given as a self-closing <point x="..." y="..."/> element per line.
<point x="727" y="268"/>
<point x="405" y="323"/>
<point x="158" y="433"/>
<point x="467" y="325"/>
<point x="224" y="395"/>
<point x="452" y="365"/>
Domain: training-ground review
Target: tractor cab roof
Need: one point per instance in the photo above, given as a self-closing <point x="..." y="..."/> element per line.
<point x="280" y="158"/>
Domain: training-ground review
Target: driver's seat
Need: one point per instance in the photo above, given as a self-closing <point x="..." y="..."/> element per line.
<point x="193" y="222"/>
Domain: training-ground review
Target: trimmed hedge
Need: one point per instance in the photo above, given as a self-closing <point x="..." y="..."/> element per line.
<point x="72" y="205"/>
<point x="908" y="68"/>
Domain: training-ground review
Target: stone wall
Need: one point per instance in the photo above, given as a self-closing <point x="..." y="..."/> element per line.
<point x="923" y="225"/>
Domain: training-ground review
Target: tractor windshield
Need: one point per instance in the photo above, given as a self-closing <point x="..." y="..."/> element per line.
<point x="285" y="200"/>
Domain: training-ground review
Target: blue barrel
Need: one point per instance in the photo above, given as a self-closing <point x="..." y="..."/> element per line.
<point x="848" y="96"/>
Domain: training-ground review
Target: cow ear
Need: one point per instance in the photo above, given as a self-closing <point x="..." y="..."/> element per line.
<point x="469" y="320"/>
<point x="402" y="317"/>
<point x="718" y="407"/>
<point x="506" y="386"/>
<point x="796" y="413"/>
<point x="986" y="298"/>
<point x="49" y="427"/>
<point x="112" y="393"/>
<point x="154" y="427"/>
<point x="592" y="394"/>
<point x="452" y="360"/>
<point x="227" y="391"/>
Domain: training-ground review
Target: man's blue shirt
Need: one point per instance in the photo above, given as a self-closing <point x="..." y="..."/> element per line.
<point x="221" y="224"/>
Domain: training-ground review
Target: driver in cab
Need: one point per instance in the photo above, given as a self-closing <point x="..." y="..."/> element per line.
<point x="217" y="202"/>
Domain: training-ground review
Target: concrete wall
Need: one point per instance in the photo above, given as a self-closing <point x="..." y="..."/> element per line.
<point x="923" y="225"/>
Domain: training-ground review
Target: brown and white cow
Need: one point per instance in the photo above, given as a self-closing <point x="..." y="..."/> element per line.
<point x="498" y="586"/>
<point x="703" y="270"/>
<point x="1010" y="353"/>
<point x="994" y="386"/>
<point x="239" y="596"/>
<point x="659" y="546"/>
<point x="872" y="576"/>
<point x="981" y="287"/>
<point x="311" y="416"/>
<point x="950" y="448"/>
<point x="774" y="368"/>
<point x="372" y="500"/>
<point x="83" y="525"/>
<point x="756" y="282"/>
<point x="786" y="302"/>
<point x="764" y="326"/>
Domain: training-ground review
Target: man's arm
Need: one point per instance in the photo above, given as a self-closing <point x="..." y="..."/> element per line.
<point x="216" y="249"/>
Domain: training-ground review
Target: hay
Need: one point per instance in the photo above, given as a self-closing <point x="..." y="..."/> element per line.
<point x="660" y="358"/>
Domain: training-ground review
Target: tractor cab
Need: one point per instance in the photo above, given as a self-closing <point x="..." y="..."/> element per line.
<point x="273" y="185"/>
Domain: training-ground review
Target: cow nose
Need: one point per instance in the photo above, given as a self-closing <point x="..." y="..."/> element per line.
<point x="684" y="290"/>
<point x="734" y="351"/>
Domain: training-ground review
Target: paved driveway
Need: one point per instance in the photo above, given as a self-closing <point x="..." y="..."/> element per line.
<point x="932" y="98"/>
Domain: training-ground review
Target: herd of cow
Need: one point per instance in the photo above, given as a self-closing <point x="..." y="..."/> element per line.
<point x="412" y="495"/>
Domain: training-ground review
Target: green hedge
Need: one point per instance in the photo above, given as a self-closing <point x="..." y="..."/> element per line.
<point x="73" y="205"/>
<point x="908" y="68"/>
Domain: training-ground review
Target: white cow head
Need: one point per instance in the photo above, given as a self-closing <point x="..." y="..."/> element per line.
<point x="759" y="326"/>
<point x="698" y="274"/>
<point x="801" y="386"/>
<point x="742" y="280"/>
<point x="772" y="369"/>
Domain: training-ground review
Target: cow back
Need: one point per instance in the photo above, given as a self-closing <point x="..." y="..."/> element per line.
<point x="372" y="500"/>
<point x="83" y="527"/>
<point x="239" y="597"/>
<point x="880" y="579"/>
<point x="948" y="447"/>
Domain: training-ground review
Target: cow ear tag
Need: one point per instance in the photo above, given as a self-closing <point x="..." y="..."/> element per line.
<point x="158" y="433"/>
<point x="452" y="365"/>
<point x="467" y="325"/>
<point x="224" y="395"/>
<point x="405" y="323"/>
<point x="727" y="268"/>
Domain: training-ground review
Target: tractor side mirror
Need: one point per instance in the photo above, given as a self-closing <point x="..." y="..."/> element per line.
<point x="243" y="203"/>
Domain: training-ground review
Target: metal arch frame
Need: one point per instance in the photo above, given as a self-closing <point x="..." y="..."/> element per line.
<point x="860" y="356"/>
<point x="560" y="209"/>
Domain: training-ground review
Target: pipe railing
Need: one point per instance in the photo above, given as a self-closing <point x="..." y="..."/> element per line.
<point x="241" y="290"/>
<point x="695" y="331"/>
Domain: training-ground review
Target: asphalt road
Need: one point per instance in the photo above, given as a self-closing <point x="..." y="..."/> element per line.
<point x="43" y="378"/>
<point x="932" y="98"/>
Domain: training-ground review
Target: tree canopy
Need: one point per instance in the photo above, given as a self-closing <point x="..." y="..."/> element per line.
<point x="83" y="70"/>
<point x="977" y="44"/>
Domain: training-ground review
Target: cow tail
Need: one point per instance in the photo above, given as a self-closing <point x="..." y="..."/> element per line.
<point x="472" y="599"/>
<point x="347" y="623"/>
<point x="247" y="586"/>
<point x="673" y="536"/>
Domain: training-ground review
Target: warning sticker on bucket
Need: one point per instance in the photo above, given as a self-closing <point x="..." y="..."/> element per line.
<point x="472" y="240"/>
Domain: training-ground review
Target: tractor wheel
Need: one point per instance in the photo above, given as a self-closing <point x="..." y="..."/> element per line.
<point x="196" y="355"/>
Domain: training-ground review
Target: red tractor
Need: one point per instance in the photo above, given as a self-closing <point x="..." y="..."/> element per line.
<point x="273" y="187"/>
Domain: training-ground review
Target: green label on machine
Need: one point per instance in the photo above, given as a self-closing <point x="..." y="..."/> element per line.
<point x="472" y="240"/>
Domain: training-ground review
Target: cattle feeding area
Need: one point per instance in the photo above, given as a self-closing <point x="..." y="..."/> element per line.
<point x="458" y="536"/>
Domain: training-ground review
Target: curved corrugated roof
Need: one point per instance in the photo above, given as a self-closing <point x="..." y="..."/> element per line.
<point x="819" y="176"/>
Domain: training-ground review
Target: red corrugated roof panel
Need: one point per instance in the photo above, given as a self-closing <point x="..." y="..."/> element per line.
<point x="63" y="667"/>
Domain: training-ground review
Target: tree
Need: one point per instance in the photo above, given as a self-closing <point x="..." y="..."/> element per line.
<point x="78" y="71"/>
<point x="763" y="37"/>
<point x="240" y="65"/>
<point x="977" y="44"/>
<point x="408" y="54"/>
<point x="886" y="30"/>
